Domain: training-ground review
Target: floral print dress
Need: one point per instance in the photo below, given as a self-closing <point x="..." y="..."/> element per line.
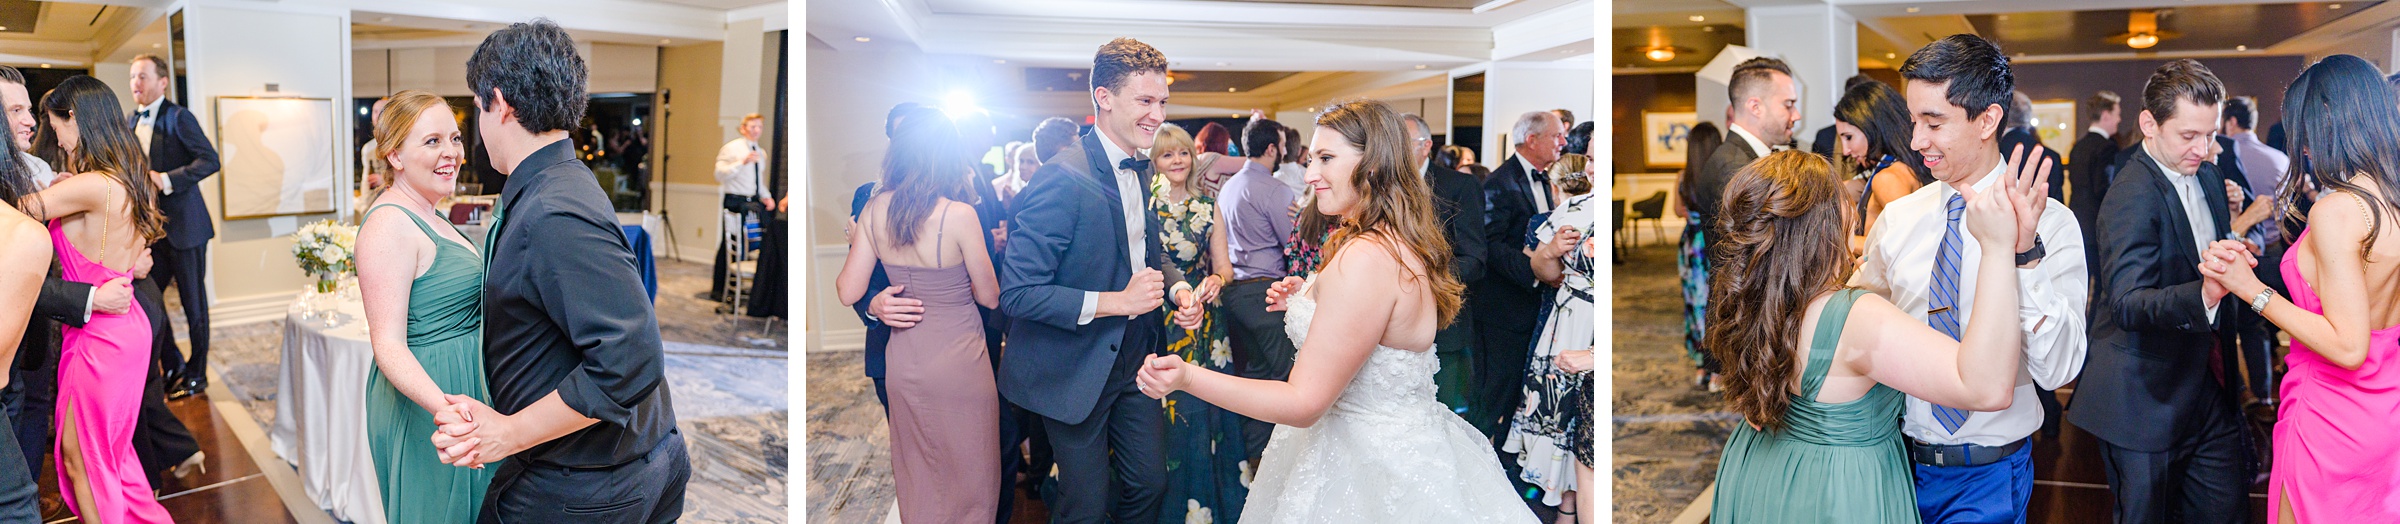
<point x="1205" y="453"/>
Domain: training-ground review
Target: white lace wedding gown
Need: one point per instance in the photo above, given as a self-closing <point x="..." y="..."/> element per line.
<point x="1386" y="452"/>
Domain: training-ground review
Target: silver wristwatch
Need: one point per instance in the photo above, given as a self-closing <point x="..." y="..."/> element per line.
<point x="2258" y="303"/>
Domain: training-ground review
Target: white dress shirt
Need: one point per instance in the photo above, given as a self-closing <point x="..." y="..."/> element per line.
<point x="2052" y="299"/>
<point x="2195" y="214"/>
<point x="1539" y="190"/>
<point x="1291" y="174"/>
<point x="1756" y="145"/>
<point x="42" y="174"/>
<point x="1133" y="199"/>
<point x="142" y="130"/>
<point x="736" y="175"/>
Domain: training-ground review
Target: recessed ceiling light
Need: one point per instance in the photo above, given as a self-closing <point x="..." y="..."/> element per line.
<point x="1912" y="9"/>
<point x="2003" y="18"/>
<point x="45" y="66"/>
<point x="386" y="19"/>
<point x="1698" y="18"/>
<point x="2334" y="6"/>
<point x="1228" y="90"/>
<point x="1708" y="29"/>
<point x="1891" y="56"/>
<point x="3" y="28"/>
<point x="2241" y="48"/>
<point x="663" y="41"/>
<point x="862" y="39"/>
<point x="1420" y="66"/>
<point x="1235" y="115"/>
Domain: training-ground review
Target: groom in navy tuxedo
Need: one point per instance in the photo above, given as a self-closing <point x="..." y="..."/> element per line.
<point x="1081" y="283"/>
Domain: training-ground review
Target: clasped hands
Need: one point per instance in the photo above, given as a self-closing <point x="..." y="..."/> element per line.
<point x="472" y="434"/>
<point x="2225" y="269"/>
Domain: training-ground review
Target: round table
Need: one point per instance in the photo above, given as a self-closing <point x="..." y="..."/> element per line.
<point x="320" y="405"/>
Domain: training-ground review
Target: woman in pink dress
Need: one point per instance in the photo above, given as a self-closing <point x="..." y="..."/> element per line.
<point x="2337" y="442"/>
<point x="101" y="213"/>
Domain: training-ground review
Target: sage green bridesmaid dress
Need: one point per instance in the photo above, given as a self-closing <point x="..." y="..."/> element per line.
<point x="445" y="332"/>
<point x="1830" y="462"/>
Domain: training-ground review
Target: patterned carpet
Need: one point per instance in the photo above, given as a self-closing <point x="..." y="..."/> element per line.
<point x="1668" y="434"/>
<point x="729" y="382"/>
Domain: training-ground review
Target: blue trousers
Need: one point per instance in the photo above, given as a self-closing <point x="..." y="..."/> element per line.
<point x="1994" y="493"/>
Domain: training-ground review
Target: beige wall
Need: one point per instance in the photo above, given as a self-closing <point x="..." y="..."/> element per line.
<point x="612" y="68"/>
<point x="692" y="74"/>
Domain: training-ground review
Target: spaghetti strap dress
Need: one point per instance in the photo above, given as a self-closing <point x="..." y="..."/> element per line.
<point x="445" y="333"/>
<point x="2337" y="443"/>
<point x="101" y="368"/>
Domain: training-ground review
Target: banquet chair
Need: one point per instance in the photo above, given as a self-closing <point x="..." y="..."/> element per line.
<point x="740" y="234"/>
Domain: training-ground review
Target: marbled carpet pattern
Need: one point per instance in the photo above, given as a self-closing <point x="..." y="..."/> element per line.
<point x="729" y="382"/>
<point x="1668" y="434"/>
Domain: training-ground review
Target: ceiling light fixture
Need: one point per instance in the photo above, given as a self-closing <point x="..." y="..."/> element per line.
<point x="2142" y="40"/>
<point x="1698" y="18"/>
<point x="862" y="39"/>
<point x="1228" y="90"/>
<point x="1420" y="66"/>
<point x="2142" y="30"/>
<point x="1912" y="9"/>
<point x="1891" y="56"/>
<point x="1660" y="54"/>
<point x="665" y="41"/>
<point x="2241" y="48"/>
<point x="2334" y="6"/>
<point x="386" y="20"/>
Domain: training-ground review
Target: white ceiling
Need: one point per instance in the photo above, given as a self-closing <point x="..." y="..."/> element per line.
<point x="1890" y="27"/>
<point x="1212" y="35"/>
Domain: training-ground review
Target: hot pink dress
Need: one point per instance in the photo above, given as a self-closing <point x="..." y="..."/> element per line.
<point x="100" y="370"/>
<point x="2337" y="438"/>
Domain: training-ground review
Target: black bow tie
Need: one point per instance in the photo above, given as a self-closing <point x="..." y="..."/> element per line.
<point x="1135" y="165"/>
<point x="138" y="115"/>
<point x="1539" y="176"/>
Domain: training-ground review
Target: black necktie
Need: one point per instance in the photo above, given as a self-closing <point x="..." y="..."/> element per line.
<point x="1135" y="165"/>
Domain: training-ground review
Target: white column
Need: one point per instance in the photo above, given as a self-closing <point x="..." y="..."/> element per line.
<point x="1820" y="42"/>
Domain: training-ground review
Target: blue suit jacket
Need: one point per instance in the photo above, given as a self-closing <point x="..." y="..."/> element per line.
<point x="1068" y="238"/>
<point x="179" y="149"/>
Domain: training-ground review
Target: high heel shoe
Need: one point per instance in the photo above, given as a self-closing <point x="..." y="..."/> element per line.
<point x="198" y="462"/>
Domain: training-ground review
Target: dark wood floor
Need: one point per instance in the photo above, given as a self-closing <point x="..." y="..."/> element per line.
<point x="2071" y="486"/>
<point x="234" y="489"/>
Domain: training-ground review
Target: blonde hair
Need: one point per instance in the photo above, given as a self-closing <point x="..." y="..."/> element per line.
<point x="1172" y="137"/>
<point x="1568" y="172"/>
<point x="753" y="116"/>
<point x="391" y="131"/>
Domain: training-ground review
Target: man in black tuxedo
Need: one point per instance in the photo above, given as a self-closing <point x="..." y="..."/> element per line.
<point x="1508" y="295"/>
<point x="1081" y="283"/>
<point x="1459" y="199"/>
<point x="583" y="413"/>
<point x="2020" y="133"/>
<point x="2088" y="167"/>
<point x="180" y="157"/>
<point x="2172" y="441"/>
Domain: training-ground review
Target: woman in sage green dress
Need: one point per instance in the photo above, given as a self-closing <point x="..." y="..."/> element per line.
<point x="423" y="288"/>
<point x="1818" y="369"/>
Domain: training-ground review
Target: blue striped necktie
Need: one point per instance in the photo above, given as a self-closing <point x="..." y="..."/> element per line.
<point x="1944" y="313"/>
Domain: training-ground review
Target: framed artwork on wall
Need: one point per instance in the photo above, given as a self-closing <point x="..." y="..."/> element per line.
<point x="1664" y="136"/>
<point x="278" y="156"/>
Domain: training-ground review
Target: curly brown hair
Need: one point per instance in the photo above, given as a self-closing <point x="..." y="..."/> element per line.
<point x="1781" y="243"/>
<point x="1125" y="57"/>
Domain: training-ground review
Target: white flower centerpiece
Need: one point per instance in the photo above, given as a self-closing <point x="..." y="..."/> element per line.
<point x="323" y="249"/>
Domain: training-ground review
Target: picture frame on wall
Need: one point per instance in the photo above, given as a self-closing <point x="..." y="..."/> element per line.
<point x="2054" y="122"/>
<point x="1664" y="135"/>
<point x="278" y="156"/>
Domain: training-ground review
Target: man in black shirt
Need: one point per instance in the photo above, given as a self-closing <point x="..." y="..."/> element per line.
<point x="571" y="344"/>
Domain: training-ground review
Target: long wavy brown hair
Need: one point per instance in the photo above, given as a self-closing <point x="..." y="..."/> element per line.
<point x="1393" y="201"/>
<point x="923" y="166"/>
<point x="104" y="146"/>
<point x="1781" y="242"/>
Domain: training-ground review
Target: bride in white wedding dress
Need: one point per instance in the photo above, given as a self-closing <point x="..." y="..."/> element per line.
<point x="1358" y="435"/>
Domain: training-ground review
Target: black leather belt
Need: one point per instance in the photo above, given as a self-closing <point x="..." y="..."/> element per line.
<point x="1960" y="455"/>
